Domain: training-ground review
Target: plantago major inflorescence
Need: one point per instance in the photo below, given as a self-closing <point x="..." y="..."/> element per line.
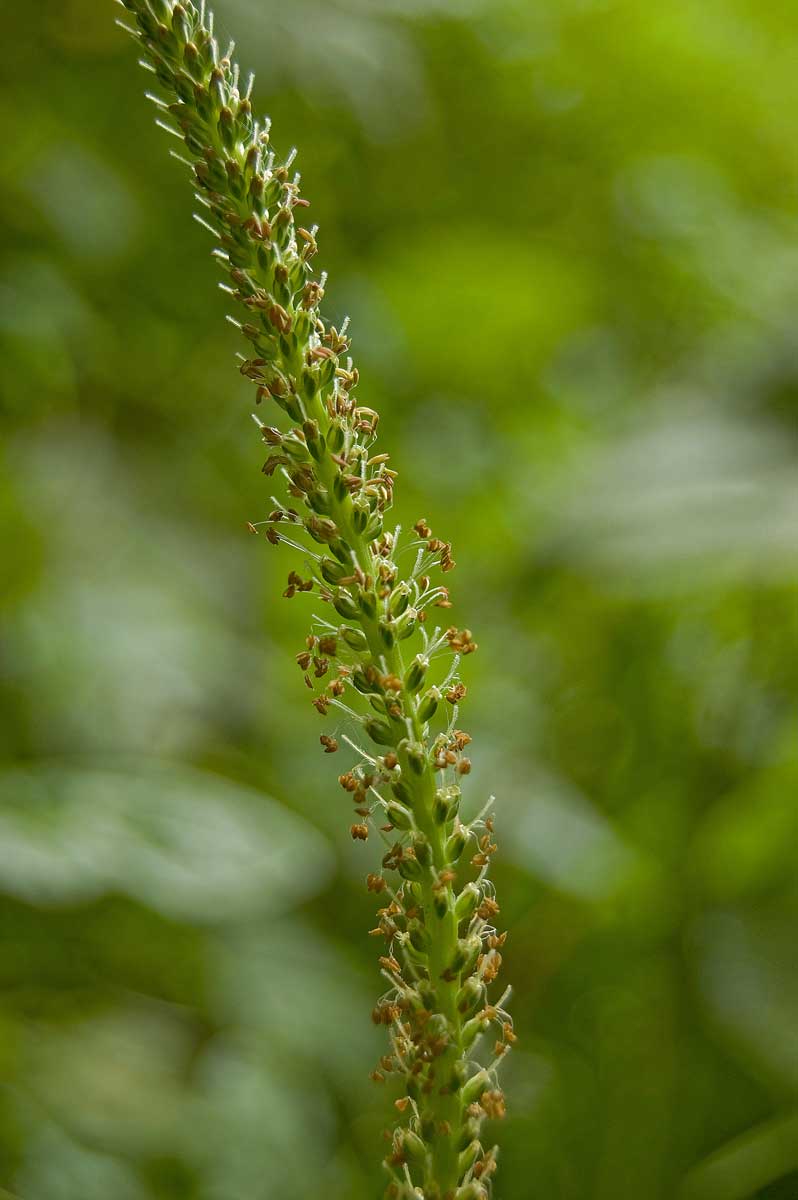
<point x="378" y="662"/>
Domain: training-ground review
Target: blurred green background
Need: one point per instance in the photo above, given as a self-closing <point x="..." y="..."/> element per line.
<point x="567" y="234"/>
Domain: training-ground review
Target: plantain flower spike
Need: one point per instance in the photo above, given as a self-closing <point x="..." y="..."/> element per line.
<point x="386" y="673"/>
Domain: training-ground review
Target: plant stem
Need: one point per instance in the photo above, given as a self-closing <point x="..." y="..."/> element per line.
<point x="442" y="949"/>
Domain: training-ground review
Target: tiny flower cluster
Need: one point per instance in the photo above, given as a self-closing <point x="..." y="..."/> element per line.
<point x="375" y="661"/>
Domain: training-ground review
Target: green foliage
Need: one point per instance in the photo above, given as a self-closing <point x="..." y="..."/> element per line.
<point x="566" y="236"/>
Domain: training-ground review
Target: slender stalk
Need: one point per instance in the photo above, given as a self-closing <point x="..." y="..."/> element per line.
<point x="442" y="950"/>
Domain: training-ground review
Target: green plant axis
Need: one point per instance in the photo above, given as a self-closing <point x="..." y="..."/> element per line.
<point x="373" y="664"/>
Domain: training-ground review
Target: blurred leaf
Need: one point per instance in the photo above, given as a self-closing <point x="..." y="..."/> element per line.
<point x="187" y="843"/>
<point x="749" y="1163"/>
<point x="747" y="843"/>
<point x="748" y="975"/>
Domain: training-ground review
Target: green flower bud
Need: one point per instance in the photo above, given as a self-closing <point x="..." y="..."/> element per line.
<point x="409" y="868"/>
<point x="456" y="845"/>
<point x="418" y="957"/>
<point x="469" y="1131"/>
<point x="469" y="949"/>
<point x="427" y="1132"/>
<point x="466" y="903"/>
<point x="315" y="442"/>
<point x="399" y="816"/>
<point x="413" y="996"/>
<point x="218" y="91"/>
<point x="180" y="23"/>
<point x="331" y="571"/>
<point x="400" y="598"/>
<point x="340" y="490"/>
<point x="319" y="500"/>
<point x="295" y="449"/>
<point x="326" y="375"/>
<point x="225" y="127"/>
<point x="345" y="606"/>
<point x="184" y="87"/>
<point x="308" y="380"/>
<point x="429" y="705"/>
<point x="414" y="675"/>
<point x="474" y="1087"/>
<point x="416" y="758"/>
<point x="471" y="1191"/>
<point x="472" y="1029"/>
<point x="447" y="804"/>
<point x="427" y="993"/>
<point x="367" y="603"/>
<point x="387" y="634"/>
<point x="359" y="518"/>
<point x="402" y="792"/>
<point x="291" y="406"/>
<point x="419" y="935"/>
<point x="355" y="640"/>
<point x="379" y="731"/>
<point x="321" y="529"/>
<point x="468" y="1157"/>
<point x="423" y="849"/>
<point x="437" y="1026"/>
<point x="458" y="1075"/>
<point x="373" y="528"/>
<point x="335" y="435"/>
<point x="266" y="265"/>
<point x="302" y="323"/>
<point x="471" y="996"/>
<point x="407" y="626"/>
<point x="413" y="1146"/>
